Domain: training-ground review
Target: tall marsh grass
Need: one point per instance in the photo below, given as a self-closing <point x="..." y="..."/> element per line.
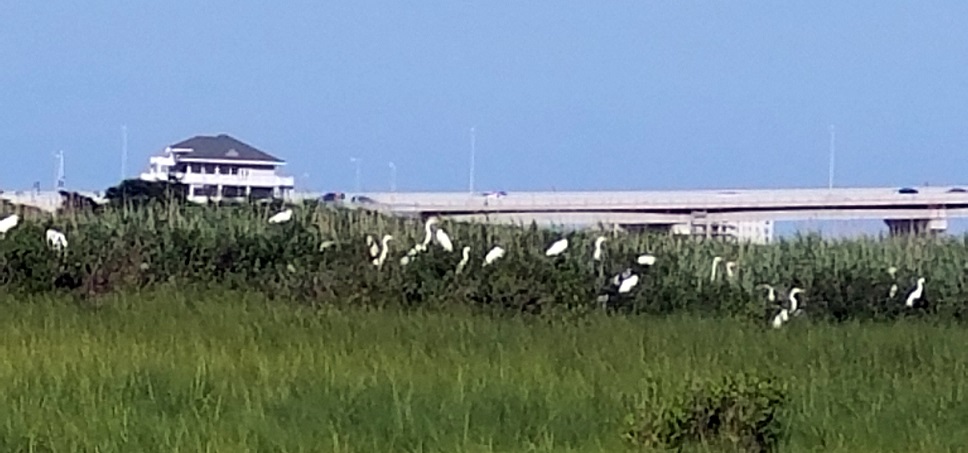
<point x="234" y="246"/>
<point x="178" y="370"/>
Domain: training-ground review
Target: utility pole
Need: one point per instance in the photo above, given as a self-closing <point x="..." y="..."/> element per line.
<point x="393" y="177"/>
<point x="833" y="149"/>
<point x="59" y="182"/>
<point x="357" y="161"/>
<point x="124" y="152"/>
<point x="470" y="184"/>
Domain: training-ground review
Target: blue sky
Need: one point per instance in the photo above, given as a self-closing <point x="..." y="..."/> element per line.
<point x="564" y="95"/>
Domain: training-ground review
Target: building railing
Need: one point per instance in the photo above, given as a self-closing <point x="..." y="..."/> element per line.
<point x="218" y="179"/>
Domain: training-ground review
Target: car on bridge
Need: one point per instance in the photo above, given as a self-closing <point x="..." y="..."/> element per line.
<point x="333" y="197"/>
<point x="907" y="190"/>
<point x="495" y="194"/>
<point x="360" y="199"/>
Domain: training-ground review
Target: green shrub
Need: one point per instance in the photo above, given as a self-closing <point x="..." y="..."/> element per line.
<point x="139" y="245"/>
<point x="739" y="412"/>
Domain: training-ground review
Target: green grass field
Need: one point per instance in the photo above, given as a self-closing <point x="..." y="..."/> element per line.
<point x="183" y="371"/>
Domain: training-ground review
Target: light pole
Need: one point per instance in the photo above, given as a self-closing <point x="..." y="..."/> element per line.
<point x="393" y="177"/>
<point x="357" y="161"/>
<point x="833" y="149"/>
<point x="470" y="182"/>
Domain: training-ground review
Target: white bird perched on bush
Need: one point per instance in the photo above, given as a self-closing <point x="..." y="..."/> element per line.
<point x="730" y="269"/>
<point x="645" y="260"/>
<point x="915" y="294"/>
<point x="443" y="239"/>
<point x="628" y="283"/>
<point x="597" y="254"/>
<point x="617" y="279"/>
<point x="378" y="261"/>
<point x="771" y="292"/>
<point x="428" y="234"/>
<point x="465" y="257"/>
<point x="557" y="248"/>
<point x="281" y="217"/>
<point x="326" y="244"/>
<point x="56" y="239"/>
<point x="716" y="260"/>
<point x="493" y="255"/>
<point x="794" y="302"/>
<point x="8" y="223"/>
<point x="893" y="291"/>
<point x="374" y="248"/>
<point x="780" y="318"/>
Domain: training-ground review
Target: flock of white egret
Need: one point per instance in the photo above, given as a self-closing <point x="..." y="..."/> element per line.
<point x="55" y="239"/>
<point x="622" y="283"/>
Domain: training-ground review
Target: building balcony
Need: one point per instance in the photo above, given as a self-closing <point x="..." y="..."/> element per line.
<point x="217" y="179"/>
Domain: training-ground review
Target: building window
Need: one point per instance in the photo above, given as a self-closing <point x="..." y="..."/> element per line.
<point x="233" y="191"/>
<point x="206" y="191"/>
<point x="262" y="192"/>
<point x="233" y="170"/>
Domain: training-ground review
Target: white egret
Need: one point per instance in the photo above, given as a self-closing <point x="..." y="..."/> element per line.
<point x="916" y="294"/>
<point x="465" y="257"/>
<point x="780" y="318"/>
<point x="619" y="278"/>
<point x="628" y="284"/>
<point x="326" y="244"/>
<point x="794" y="303"/>
<point x="597" y="254"/>
<point x="281" y="217"/>
<point x="771" y="292"/>
<point x="716" y="260"/>
<point x="730" y="269"/>
<point x="557" y="248"/>
<point x="8" y="223"/>
<point x="493" y="255"/>
<point x="443" y="239"/>
<point x="893" y="291"/>
<point x="378" y="261"/>
<point x="645" y="260"/>
<point x="56" y="239"/>
<point x="428" y="234"/>
<point x="373" y="246"/>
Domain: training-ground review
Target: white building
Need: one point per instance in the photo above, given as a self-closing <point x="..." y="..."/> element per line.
<point x="754" y="231"/>
<point x="220" y="167"/>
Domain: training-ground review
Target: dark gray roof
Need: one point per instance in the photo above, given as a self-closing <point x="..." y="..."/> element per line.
<point x="222" y="147"/>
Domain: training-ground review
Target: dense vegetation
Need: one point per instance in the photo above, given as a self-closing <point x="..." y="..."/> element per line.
<point x="176" y="370"/>
<point x="235" y="247"/>
<point x="165" y="326"/>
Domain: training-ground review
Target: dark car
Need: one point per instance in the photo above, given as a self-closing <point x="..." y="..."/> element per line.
<point x="360" y="199"/>
<point x="907" y="190"/>
<point x="957" y="190"/>
<point x="334" y="196"/>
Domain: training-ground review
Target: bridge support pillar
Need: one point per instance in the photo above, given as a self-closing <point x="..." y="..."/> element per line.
<point x="650" y="227"/>
<point x="907" y="227"/>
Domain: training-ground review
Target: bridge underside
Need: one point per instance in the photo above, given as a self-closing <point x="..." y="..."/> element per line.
<point x="916" y="222"/>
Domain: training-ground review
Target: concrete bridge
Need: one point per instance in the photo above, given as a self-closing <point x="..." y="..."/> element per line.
<point x="920" y="209"/>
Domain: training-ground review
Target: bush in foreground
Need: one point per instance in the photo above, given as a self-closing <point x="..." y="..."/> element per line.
<point x="739" y="412"/>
